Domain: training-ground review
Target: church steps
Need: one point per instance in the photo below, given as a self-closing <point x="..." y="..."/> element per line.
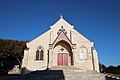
<point x="70" y="76"/>
<point x="64" y="73"/>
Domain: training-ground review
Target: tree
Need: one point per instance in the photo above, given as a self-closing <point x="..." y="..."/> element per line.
<point x="11" y="53"/>
<point x="113" y="69"/>
<point x="102" y="68"/>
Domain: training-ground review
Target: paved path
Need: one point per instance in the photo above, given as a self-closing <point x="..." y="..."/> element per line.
<point x="62" y="73"/>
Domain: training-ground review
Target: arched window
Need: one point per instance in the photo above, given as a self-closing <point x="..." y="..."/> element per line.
<point x="39" y="53"/>
<point x="83" y="53"/>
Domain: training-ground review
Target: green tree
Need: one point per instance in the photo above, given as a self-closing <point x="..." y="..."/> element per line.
<point x="102" y="68"/>
<point x="11" y="53"/>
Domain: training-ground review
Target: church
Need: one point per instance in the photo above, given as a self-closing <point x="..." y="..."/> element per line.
<point x="61" y="45"/>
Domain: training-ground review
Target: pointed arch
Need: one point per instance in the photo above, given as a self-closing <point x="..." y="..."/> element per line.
<point x="66" y="48"/>
<point x="40" y="53"/>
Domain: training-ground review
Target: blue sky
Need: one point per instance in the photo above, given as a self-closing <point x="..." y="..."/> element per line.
<point x="98" y="20"/>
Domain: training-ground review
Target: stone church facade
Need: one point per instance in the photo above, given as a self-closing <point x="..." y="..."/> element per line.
<point x="62" y="45"/>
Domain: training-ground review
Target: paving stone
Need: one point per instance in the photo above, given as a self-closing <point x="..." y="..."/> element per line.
<point x="62" y="73"/>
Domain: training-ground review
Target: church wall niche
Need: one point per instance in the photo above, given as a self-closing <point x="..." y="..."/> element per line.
<point x="83" y="63"/>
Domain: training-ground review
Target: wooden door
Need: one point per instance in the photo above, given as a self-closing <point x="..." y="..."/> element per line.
<point x="62" y="59"/>
<point x="65" y="59"/>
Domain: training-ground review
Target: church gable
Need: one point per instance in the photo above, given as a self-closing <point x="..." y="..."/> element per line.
<point x="62" y="36"/>
<point x="71" y="32"/>
<point x="61" y="22"/>
<point x="55" y="28"/>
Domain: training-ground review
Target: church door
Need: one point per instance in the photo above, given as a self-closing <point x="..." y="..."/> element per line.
<point x="62" y="59"/>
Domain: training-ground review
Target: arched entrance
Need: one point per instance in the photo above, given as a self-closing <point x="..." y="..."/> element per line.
<point x="63" y="52"/>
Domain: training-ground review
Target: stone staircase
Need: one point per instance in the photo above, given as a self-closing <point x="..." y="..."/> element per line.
<point x="62" y="73"/>
<point x="73" y="73"/>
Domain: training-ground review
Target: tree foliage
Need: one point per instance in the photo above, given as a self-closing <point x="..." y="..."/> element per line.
<point x="109" y="69"/>
<point x="113" y="69"/>
<point x="11" y="53"/>
<point x="102" y="67"/>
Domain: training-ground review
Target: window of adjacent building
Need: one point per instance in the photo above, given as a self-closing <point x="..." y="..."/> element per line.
<point x="39" y="53"/>
<point x="83" y="53"/>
